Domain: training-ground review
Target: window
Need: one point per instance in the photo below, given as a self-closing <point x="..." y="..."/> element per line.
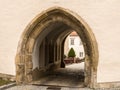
<point x="81" y="54"/>
<point x="80" y="42"/>
<point x="72" y="41"/>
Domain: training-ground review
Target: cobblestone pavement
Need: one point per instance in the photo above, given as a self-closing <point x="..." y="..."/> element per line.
<point x="71" y="76"/>
<point x="65" y="78"/>
<point x="32" y="87"/>
<point x="61" y="79"/>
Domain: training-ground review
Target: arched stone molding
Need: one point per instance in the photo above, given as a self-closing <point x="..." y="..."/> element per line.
<point x="37" y="28"/>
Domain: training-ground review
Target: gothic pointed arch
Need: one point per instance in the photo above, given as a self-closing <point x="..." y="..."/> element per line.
<point x="55" y="23"/>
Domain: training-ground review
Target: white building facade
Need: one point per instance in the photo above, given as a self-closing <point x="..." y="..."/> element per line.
<point x="74" y="41"/>
<point x="102" y="17"/>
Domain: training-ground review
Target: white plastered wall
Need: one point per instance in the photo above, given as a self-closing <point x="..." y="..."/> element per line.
<point x="102" y="16"/>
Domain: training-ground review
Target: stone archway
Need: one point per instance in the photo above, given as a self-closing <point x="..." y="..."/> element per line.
<point x="45" y="28"/>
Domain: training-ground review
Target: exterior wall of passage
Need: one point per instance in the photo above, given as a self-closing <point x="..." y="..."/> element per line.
<point x="102" y="16"/>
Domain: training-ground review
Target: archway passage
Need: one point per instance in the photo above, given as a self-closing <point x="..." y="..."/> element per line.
<point x="41" y="47"/>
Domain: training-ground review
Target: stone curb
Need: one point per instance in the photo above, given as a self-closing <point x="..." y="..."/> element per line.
<point x="7" y="86"/>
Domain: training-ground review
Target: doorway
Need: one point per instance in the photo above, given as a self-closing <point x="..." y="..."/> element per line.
<point x="41" y="47"/>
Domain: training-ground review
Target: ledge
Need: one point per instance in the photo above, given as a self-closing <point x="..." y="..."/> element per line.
<point x="7" y="86"/>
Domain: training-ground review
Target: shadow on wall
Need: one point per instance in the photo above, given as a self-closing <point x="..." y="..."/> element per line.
<point x="44" y="71"/>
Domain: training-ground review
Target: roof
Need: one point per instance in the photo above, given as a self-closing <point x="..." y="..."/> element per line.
<point x="73" y="34"/>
